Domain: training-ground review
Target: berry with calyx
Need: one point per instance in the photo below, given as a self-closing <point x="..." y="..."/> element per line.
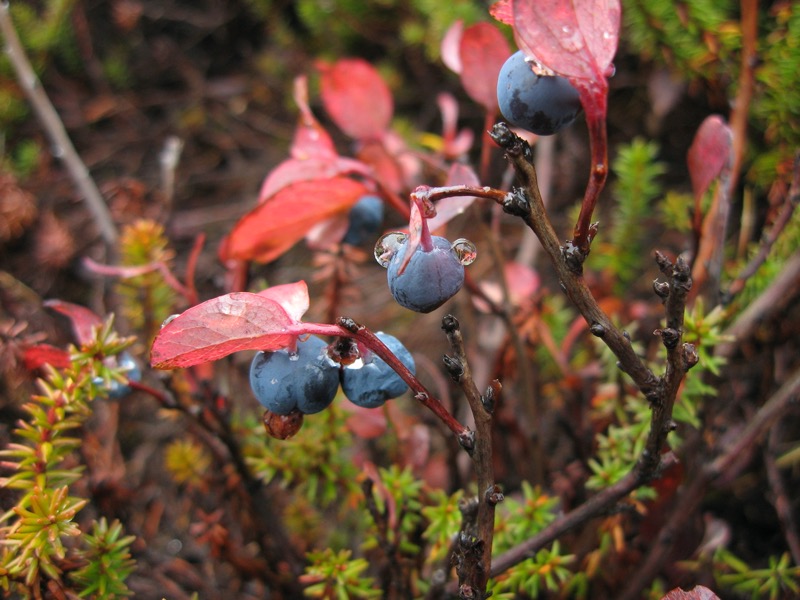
<point x="305" y="379"/>
<point x="366" y="217"/>
<point x="282" y="427"/>
<point x="375" y="381"/>
<point x="430" y="278"/>
<point x="542" y="104"/>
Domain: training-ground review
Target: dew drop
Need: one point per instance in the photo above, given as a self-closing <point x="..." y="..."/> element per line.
<point x="466" y="252"/>
<point x="387" y="246"/>
<point x="168" y="320"/>
<point x="274" y="380"/>
<point x="293" y="356"/>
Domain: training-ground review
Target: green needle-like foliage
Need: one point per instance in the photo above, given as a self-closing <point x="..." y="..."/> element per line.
<point x="36" y="529"/>
<point x="108" y="562"/>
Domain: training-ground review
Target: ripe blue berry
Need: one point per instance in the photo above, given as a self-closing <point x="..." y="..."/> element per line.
<point x="126" y="363"/>
<point x="540" y="104"/>
<point x="366" y="217"/>
<point x="376" y="382"/>
<point x="303" y="380"/>
<point x="430" y="278"/>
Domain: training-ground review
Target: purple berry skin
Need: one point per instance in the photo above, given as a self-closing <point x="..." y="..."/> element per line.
<point x="305" y="380"/>
<point x="430" y="278"/>
<point x="376" y="382"/>
<point x="366" y="217"/>
<point x="541" y="104"/>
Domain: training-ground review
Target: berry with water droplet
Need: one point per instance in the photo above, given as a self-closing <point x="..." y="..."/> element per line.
<point x="430" y="278"/>
<point x="304" y="380"/>
<point x="375" y="381"/>
<point x="541" y="104"/>
<point x="387" y="246"/>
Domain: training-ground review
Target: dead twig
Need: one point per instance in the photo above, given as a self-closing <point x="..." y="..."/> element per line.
<point x="61" y="144"/>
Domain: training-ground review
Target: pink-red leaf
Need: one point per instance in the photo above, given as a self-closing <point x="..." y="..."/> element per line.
<point x="222" y="326"/>
<point x="697" y="593"/>
<point x="449" y="48"/>
<point x="356" y="98"/>
<point x="282" y="220"/>
<point x="710" y="153"/>
<point x="448" y="208"/>
<point x="315" y="167"/>
<point x="84" y="321"/>
<point x="310" y="138"/>
<point x="576" y="39"/>
<point x="483" y="50"/>
<point x="35" y="357"/>
<point x="293" y="298"/>
<point x="503" y="12"/>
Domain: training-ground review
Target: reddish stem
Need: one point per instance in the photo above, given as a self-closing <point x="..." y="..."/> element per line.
<point x="349" y="328"/>
<point x="584" y="230"/>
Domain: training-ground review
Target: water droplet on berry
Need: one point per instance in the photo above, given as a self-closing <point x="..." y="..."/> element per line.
<point x="294" y="355"/>
<point x="466" y="252"/>
<point x="274" y="380"/>
<point x="387" y="246"/>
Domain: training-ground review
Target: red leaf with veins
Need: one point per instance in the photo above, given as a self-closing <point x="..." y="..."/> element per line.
<point x="35" y="357"/>
<point x="576" y="39"/>
<point x="293" y="297"/>
<point x="356" y="98"/>
<point x="710" y="153"/>
<point x="483" y="50"/>
<point x="279" y="222"/>
<point x="84" y="321"/>
<point x="222" y="326"/>
<point x="699" y="592"/>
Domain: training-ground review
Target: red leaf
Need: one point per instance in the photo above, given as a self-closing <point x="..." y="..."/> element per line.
<point x="502" y="11"/>
<point x="449" y="48"/>
<point x="39" y="355"/>
<point x="293" y="297"/>
<point x="576" y="39"/>
<point x="279" y="222"/>
<point x="384" y="165"/>
<point x="83" y="320"/>
<point x="356" y="98"/>
<point x="710" y="153"/>
<point x="366" y="423"/>
<point x="483" y="50"/>
<point x="310" y="138"/>
<point x="317" y="167"/>
<point x="222" y="326"/>
<point x="697" y="593"/>
<point x="451" y="207"/>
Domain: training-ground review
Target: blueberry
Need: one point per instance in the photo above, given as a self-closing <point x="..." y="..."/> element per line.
<point x="303" y="380"/>
<point x="540" y="104"/>
<point x="130" y="369"/>
<point x="430" y="278"/>
<point x="376" y="382"/>
<point x="366" y="217"/>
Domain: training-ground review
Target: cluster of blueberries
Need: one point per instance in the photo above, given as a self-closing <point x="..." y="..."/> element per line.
<point x="307" y="379"/>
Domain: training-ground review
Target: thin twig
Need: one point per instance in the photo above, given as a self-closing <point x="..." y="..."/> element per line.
<point x="61" y="144"/>
<point x="530" y="207"/>
<point x="783" y="506"/>
<point x="727" y="465"/>
<point x="474" y="556"/>
<point x="782" y="220"/>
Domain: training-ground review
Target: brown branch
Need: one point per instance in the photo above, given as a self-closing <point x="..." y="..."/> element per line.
<point x="473" y="554"/>
<point x="61" y="144"/>
<point x="727" y="465"/>
<point x="783" y="506"/>
<point x="529" y="206"/>
<point x="660" y="391"/>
